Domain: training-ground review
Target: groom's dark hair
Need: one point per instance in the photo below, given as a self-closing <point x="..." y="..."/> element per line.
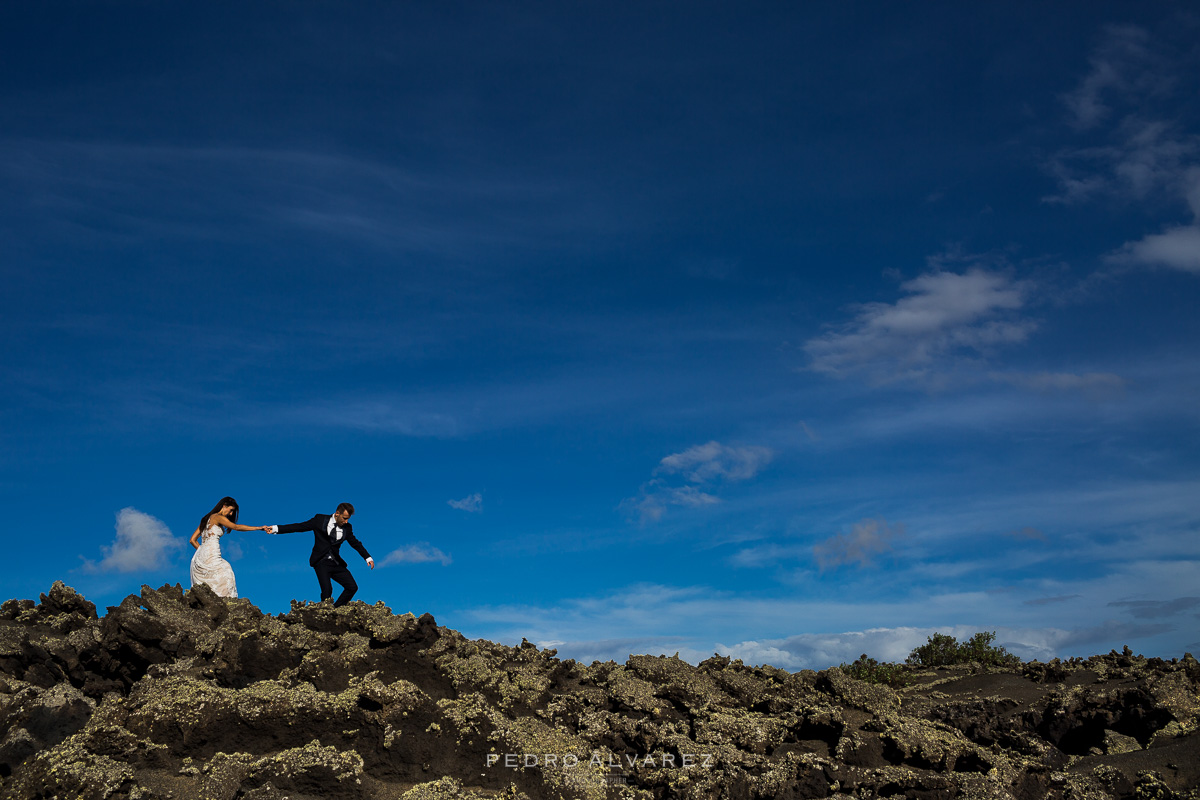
<point x="345" y="507"/>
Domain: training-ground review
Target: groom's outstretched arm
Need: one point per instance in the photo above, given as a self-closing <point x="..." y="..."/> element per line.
<point x="295" y="527"/>
<point x="362" y="551"/>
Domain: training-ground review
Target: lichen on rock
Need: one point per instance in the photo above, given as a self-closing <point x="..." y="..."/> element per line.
<point x="186" y="694"/>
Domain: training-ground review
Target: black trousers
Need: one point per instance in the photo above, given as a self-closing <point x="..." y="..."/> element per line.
<point x="331" y="571"/>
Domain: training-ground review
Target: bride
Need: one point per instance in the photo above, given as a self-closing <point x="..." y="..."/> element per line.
<point x="208" y="566"/>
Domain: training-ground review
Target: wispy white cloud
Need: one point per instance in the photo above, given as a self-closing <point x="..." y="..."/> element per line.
<point x="1177" y="247"/>
<point x="405" y="416"/>
<point x="705" y="463"/>
<point x="1153" y="156"/>
<point x="1118" y="65"/>
<point x="457" y="411"/>
<point x="621" y="649"/>
<point x="1157" y="609"/>
<point x="944" y="315"/>
<point x="664" y="620"/>
<point x="655" y="499"/>
<point x="472" y="504"/>
<point x="1109" y="632"/>
<point x="1061" y="381"/>
<point x="1098" y="603"/>
<point x="770" y="554"/>
<point x="420" y="553"/>
<point x="687" y="496"/>
<point x="143" y="543"/>
<point x="1148" y="156"/>
<point x="821" y="650"/>
<point x="1157" y="387"/>
<point x="1146" y="160"/>
<point x="1045" y="601"/>
<point x="817" y="651"/>
<point x="701" y="467"/>
<point x="1074" y="184"/>
<point x="866" y="539"/>
<point x="323" y="196"/>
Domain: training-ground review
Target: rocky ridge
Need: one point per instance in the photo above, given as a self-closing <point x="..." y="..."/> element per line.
<point x="177" y="694"/>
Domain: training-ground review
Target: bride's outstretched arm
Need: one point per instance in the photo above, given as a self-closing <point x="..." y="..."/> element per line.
<point x="233" y="526"/>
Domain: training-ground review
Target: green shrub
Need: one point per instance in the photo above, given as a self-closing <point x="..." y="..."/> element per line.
<point x="942" y="650"/>
<point x="868" y="669"/>
<point x="939" y="651"/>
<point x="979" y="649"/>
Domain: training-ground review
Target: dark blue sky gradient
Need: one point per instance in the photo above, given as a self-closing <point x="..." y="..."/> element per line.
<point x="789" y="332"/>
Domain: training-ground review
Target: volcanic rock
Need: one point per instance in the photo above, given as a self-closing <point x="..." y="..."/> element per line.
<point x="176" y="694"/>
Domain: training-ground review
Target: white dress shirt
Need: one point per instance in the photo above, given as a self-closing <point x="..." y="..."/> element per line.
<point x="330" y="529"/>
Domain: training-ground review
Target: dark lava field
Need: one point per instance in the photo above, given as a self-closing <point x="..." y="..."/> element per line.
<point x="186" y="695"/>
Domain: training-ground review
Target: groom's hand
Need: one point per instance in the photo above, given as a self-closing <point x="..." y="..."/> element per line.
<point x="371" y="563"/>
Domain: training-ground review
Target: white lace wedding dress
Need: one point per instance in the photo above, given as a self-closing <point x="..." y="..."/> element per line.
<point x="210" y="567"/>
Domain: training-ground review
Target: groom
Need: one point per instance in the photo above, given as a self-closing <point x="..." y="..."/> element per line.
<point x="330" y="532"/>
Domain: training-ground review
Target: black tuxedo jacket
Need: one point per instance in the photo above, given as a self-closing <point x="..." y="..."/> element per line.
<point x="326" y="545"/>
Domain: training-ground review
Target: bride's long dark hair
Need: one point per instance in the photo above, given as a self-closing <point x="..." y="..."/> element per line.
<point x="224" y="501"/>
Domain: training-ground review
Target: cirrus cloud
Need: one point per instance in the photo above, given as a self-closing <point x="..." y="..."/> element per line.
<point x="1119" y="65"/>
<point x="701" y="468"/>
<point x="1147" y="153"/>
<point x="1061" y="381"/>
<point x="420" y="553"/>
<point x="867" y="538"/>
<point x="705" y="463"/>
<point x="472" y="504"/>
<point x="1176" y="247"/>
<point x="944" y="314"/>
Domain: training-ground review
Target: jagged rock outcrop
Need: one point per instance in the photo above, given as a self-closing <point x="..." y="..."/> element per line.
<point x="187" y="695"/>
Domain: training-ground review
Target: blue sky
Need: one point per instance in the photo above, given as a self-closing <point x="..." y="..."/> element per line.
<point x="790" y="332"/>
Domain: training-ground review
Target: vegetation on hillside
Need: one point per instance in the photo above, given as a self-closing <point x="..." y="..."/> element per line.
<point x="940" y="650"/>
